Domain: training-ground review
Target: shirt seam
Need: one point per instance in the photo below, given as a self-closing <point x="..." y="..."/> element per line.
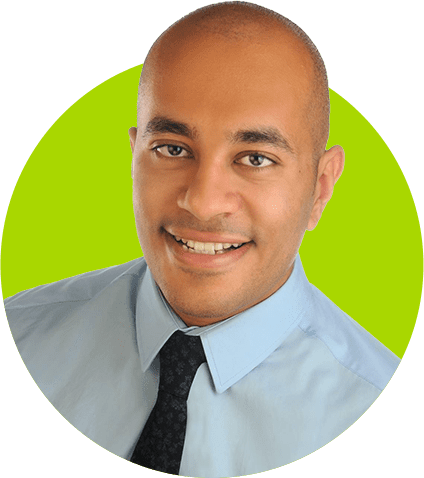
<point x="47" y="303"/>
<point x="66" y="301"/>
<point x="339" y="361"/>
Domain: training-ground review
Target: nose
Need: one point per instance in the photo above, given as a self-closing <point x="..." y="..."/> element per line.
<point x="210" y="192"/>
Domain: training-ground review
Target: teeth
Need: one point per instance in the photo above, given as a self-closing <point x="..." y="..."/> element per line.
<point x="211" y="248"/>
<point x="199" y="246"/>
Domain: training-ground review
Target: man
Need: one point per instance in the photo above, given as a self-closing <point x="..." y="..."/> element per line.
<point x="229" y="169"/>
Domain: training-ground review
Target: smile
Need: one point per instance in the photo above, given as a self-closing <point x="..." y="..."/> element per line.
<point x="209" y="248"/>
<point x="206" y="250"/>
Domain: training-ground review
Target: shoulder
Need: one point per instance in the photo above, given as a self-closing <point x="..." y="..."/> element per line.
<point x="77" y="338"/>
<point x="57" y="308"/>
<point x="348" y="342"/>
<point x="82" y="287"/>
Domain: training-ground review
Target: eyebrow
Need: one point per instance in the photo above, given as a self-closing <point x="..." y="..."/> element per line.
<point x="161" y="124"/>
<point x="265" y="135"/>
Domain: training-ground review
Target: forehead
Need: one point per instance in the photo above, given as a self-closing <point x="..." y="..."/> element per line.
<point x="211" y="64"/>
<point x="216" y="81"/>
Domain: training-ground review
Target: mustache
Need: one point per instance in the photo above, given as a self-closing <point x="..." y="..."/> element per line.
<point x="218" y="226"/>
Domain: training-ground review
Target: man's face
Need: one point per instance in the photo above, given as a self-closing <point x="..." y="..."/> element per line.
<point x="222" y="162"/>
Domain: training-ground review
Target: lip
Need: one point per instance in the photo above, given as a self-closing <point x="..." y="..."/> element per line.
<point x="206" y="261"/>
<point x="199" y="236"/>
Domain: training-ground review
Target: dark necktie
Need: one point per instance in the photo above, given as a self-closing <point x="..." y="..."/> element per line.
<point x="161" y="443"/>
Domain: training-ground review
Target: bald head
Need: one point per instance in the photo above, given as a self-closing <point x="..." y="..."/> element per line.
<point x="233" y="108"/>
<point x="241" y="23"/>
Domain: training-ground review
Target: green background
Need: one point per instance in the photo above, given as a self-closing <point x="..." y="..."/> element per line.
<point x="56" y="53"/>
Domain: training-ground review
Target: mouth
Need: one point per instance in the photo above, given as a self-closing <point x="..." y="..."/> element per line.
<point x="204" y="253"/>
<point x="208" y="248"/>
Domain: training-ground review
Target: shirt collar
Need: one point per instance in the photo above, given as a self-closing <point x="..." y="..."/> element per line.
<point x="234" y="346"/>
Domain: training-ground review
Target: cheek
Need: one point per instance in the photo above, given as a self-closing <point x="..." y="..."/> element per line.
<point x="155" y="201"/>
<point x="281" y="212"/>
<point x="150" y="190"/>
<point x="147" y="201"/>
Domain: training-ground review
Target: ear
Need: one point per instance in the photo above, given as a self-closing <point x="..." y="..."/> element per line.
<point x="330" y="168"/>
<point x="133" y="136"/>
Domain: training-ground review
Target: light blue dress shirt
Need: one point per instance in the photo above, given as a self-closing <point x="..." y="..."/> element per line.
<point x="282" y="379"/>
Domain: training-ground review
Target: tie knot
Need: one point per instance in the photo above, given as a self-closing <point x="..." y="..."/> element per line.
<point x="180" y="358"/>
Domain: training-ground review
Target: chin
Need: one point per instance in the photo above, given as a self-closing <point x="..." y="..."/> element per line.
<point x="203" y="308"/>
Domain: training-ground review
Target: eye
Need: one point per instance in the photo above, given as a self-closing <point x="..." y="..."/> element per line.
<point x="171" y="150"/>
<point x="255" y="160"/>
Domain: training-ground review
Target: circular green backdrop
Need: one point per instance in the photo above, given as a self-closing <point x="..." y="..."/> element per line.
<point x="71" y="212"/>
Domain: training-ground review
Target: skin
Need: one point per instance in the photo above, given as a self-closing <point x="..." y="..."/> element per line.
<point x="219" y="87"/>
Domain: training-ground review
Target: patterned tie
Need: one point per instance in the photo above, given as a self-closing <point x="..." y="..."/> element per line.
<point x="161" y="443"/>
